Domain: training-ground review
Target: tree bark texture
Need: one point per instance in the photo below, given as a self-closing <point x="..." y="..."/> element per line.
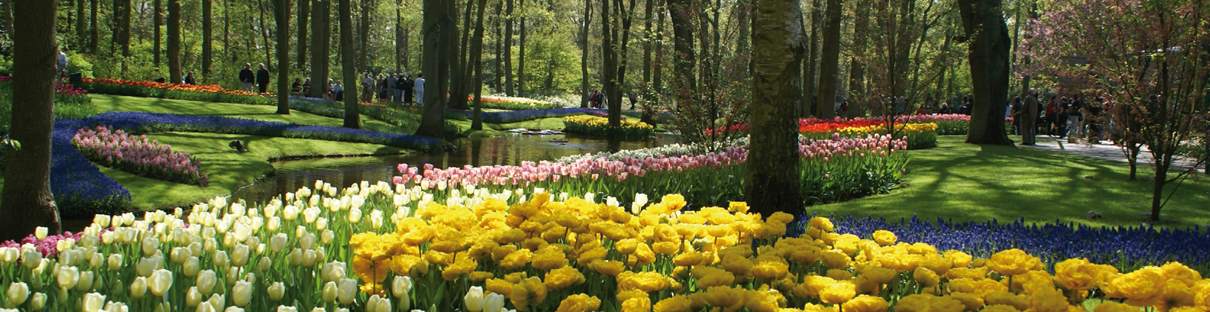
<point x="987" y="34"/>
<point x="829" y="60"/>
<point x="174" y="41"/>
<point x="773" y="176"/>
<point x="438" y="32"/>
<point x="348" y="66"/>
<point x="281" y="15"/>
<point x="320" y="39"/>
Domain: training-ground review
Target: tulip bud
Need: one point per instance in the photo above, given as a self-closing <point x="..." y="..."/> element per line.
<point x="96" y="260"/>
<point x="278" y="242"/>
<point x="179" y="254"/>
<point x="86" y="280"/>
<point x="138" y="288"/>
<point x="277" y="291"/>
<point x="401" y="286"/>
<point x="493" y="302"/>
<point x="473" y="299"/>
<point x="216" y="301"/>
<point x="67" y="277"/>
<point x="191" y="267"/>
<point x="17" y="293"/>
<point x="114" y="262"/>
<point x="37" y="302"/>
<point x="114" y="306"/>
<point x="239" y="255"/>
<point x="329" y="292"/>
<point x="220" y="259"/>
<point x="93" y="302"/>
<point x="9" y="255"/>
<point x="241" y="293"/>
<point x="148" y="265"/>
<point x="264" y="265"/>
<point x="151" y="245"/>
<point x="347" y="291"/>
<point x="193" y="297"/>
<point x="234" y="309"/>
<point x="378" y="304"/>
<point x="160" y="282"/>
<point x="286" y="309"/>
<point x="31" y="258"/>
<point x="41" y="232"/>
<point x="333" y="271"/>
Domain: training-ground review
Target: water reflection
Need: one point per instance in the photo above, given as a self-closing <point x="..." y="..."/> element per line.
<point x="510" y="149"/>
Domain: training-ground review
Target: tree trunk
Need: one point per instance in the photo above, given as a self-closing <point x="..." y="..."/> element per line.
<point x="584" y="53"/>
<point x="281" y="15"/>
<point x="320" y="38"/>
<point x="647" y="42"/>
<point x="462" y="71"/>
<point x="743" y="47"/>
<point x="984" y="24"/>
<point x="508" y="47"/>
<point x="304" y="11"/>
<point x="498" y="29"/>
<point x="264" y="32"/>
<point x="348" y="68"/>
<point x="363" y="39"/>
<point x="399" y="44"/>
<point x="614" y="46"/>
<point x="174" y="41"/>
<point x="773" y="176"/>
<point x="121" y="9"/>
<point x="208" y="39"/>
<point x="657" y="69"/>
<point x="407" y="52"/>
<point x="685" y="81"/>
<point x="521" y="52"/>
<point x="157" y="19"/>
<point x="94" y="33"/>
<point x="709" y="82"/>
<point x="227" y="31"/>
<point x="27" y="201"/>
<point x="829" y="70"/>
<point x="438" y="31"/>
<point x="81" y="29"/>
<point x="1157" y="190"/>
<point x="857" y="61"/>
<point x="808" y="77"/>
<point x="477" y="63"/>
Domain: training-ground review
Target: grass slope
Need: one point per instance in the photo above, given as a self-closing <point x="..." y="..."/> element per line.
<point x="226" y="169"/>
<point x="979" y="183"/>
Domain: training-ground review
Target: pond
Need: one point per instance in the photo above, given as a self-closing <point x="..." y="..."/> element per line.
<point x="508" y="149"/>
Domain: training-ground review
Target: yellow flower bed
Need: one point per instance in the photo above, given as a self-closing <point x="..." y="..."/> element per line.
<point x="599" y="126"/>
<point x="573" y="255"/>
<point x="919" y="135"/>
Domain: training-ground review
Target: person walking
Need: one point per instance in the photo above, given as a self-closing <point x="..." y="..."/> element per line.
<point x="419" y="85"/>
<point x="189" y="79"/>
<point x="296" y="87"/>
<point x="338" y="91"/>
<point x="262" y="79"/>
<point x="392" y="89"/>
<point x="367" y="88"/>
<point x="246" y="77"/>
<point x="408" y="85"/>
<point x="306" y="87"/>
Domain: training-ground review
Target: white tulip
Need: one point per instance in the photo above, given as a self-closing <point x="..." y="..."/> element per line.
<point x="355" y="215"/>
<point x="329" y="292"/>
<point x="101" y="220"/>
<point x="41" y="232"/>
<point x="148" y="265"/>
<point x="114" y="306"/>
<point x="193" y="297"/>
<point x="347" y="291"/>
<point x="473" y="299"/>
<point x="9" y="255"/>
<point x="96" y="260"/>
<point x="333" y="271"/>
<point x="319" y="309"/>
<point x="239" y="255"/>
<point x="206" y="281"/>
<point x="216" y="301"/>
<point x="93" y="302"/>
<point x="138" y="288"/>
<point x="160" y="282"/>
<point x="241" y="293"/>
<point x="221" y="259"/>
<point x="264" y="265"/>
<point x="114" y="262"/>
<point x="321" y="224"/>
<point x="86" y="280"/>
<point x="401" y="286"/>
<point x="276" y="291"/>
<point x="67" y="277"/>
<point x="191" y="266"/>
<point x="150" y="245"/>
<point x="179" y="254"/>
<point x="278" y="242"/>
<point x="17" y="293"/>
<point x="493" y="302"/>
<point x="31" y="258"/>
<point x="378" y="304"/>
<point x="286" y="309"/>
<point x="234" y="309"/>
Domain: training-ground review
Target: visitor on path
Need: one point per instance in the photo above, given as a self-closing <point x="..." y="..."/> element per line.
<point x="262" y="79"/>
<point x="383" y="88"/>
<point x="1052" y="113"/>
<point x="392" y="88"/>
<point x="61" y="65"/>
<point x="246" y="77"/>
<point x="296" y="87"/>
<point x="1075" y="116"/>
<point x="408" y="85"/>
<point x="338" y="91"/>
<point x="367" y="88"/>
<point x="400" y="84"/>
<point x="306" y="87"/>
<point x="189" y="79"/>
<point x="1029" y="118"/>
<point x="419" y="85"/>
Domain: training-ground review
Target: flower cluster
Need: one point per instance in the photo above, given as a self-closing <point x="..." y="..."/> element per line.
<point x="947" y="124"/>
<point x="832" y="170"/>
<point x="213" y="88"/>
<point x="599" y="126"/>
<point x="513" y="103"/>
<point x="80" y="188"/>
<point x="919" y="135"/>
<point x="138" y="154"/>
<point x="531" y="114"/>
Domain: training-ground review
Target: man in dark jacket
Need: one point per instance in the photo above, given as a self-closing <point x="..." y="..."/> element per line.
<point x="407" y="85"/>
<point x="262" y="79"/>
<point x="246" y="77"/>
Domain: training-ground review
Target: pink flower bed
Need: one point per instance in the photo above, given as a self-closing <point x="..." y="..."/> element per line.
<point x="138" y="154"/>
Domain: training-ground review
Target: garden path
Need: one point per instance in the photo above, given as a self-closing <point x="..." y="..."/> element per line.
<point x="1102" y="150"/>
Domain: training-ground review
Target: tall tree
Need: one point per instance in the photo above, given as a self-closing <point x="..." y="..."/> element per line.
<point x="461" y="69"/>
<point x="207" y="38"/>
<point x="857" y="59"/>
<point x="121" y="32"/>
<point x="809" y="89"/>
<point x="477" y="55"/>
<point x="264" y="34"/>
<point x="27" y="201"/>
<point x="281" y="15"/>
<point x="615" y="36"/>
<point x="304" y="11"/>
<point x="521" y="33"/>
<point x="498" y="34"/>
<point x="773" y="176"/>
<point x="508" y="47"/>
<point x="400" y="44"/>
<point x="438" y="32"/>
<point x="829" y="70"/>
<point x="987" y="35"/>
<point x="320" y="40"/>
<point x="685" y="59"/>
<point x="94" y="33"/>
<point x="81" y="29"/>
<point x="363" y="39"/>
<point x="584" y="51"/>
<point x="648" y="42"/>
<point x="348" y="67"/>
<point x="157" y="20"/>
<point x="174" y="41"/>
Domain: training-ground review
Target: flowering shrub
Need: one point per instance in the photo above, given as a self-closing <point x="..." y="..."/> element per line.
<point x="512" y="103"/>
<point x="138" y="154"/>
<point x="832" y="170"/>
<point x="378" y="247"/>
<point x="599" y="127"/>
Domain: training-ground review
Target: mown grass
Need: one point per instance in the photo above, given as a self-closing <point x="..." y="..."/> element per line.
<point x="966" y="182"/>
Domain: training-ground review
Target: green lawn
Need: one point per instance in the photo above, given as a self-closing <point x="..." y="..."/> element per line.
<point x="979" y="183"/>
<point x="116" y="103"/>
<point x="228" y="170"/>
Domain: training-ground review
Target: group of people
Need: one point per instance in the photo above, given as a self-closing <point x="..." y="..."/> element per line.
<point x="248" y="80"/>
<point x="395" y="88"/>
<point x="1064" y="116"/>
